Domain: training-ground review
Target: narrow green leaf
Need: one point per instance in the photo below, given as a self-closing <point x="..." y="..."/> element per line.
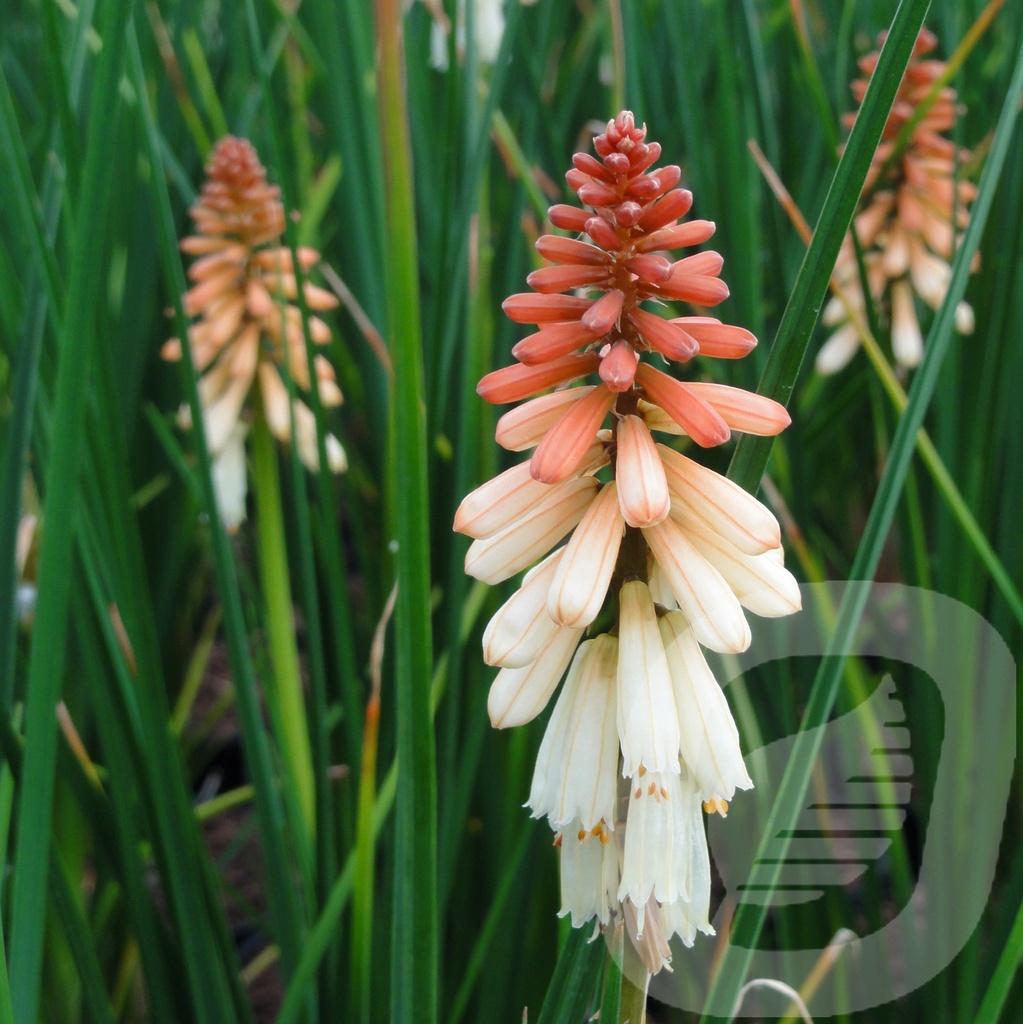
<point x="1008" y="965"/>
<point x="47" y="662"/>
<point x="414" y="927"/>
<point x="573" y="989"/>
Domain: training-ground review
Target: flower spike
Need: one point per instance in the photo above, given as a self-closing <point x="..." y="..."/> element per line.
<point x="666" y="552"/>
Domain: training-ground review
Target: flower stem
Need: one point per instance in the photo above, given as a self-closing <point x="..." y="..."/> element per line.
<point x="285" y="697"/>
<point x="632" y="1008"/>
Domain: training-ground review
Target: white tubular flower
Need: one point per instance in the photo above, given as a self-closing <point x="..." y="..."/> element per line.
<point x="229" y="477"/>
<point x="760" y="582"/>
<point x="584" y="573"/>
<point x="685" y="918"/>
<point x="499" y="502"/>
<point x="502" y="555"/>
<point x="518" y="695"/>
<point x="708" y="602"/>
<point x="642" y="487"/>
<point x="589" y="874"/>
<point x="526" y="425"/>
<point x="709" y="738"/>
<point x="907" y="340"/>
<point x="647" y="719"/>
<point x="521" y="626"/>
<point x="656" y="842"/>
<point x="720" y="503"/>
<point x="576" y="770"/>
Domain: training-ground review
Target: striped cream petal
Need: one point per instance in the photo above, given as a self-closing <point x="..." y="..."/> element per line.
<point x="647" y="719"/>
<point x="703" y="595"/>
<point x="655" y="841"/>
<point x="721" y="503"/>
<point x="518" y="695"/>
<point x="709" y="738"/>
<point x="495" y="505"/>
<point x="642" y="487"/>
<point x="760" y="582"/>
<point x="589" y="875"/>
<point x="521" y="626"/>
<point x="525" y="426"/>
<point x="743" y="410"/>
<point x="580" y="584"/>
<point x="495" y="558"/>
<point x="685" y="917"/>
<point x="576" y="775"/>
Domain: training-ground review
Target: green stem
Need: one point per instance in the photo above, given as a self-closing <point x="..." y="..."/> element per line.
<point x="632" y="1008"/>
<point x="286" y="699"/>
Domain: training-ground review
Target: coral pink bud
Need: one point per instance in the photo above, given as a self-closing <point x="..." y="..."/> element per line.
<point x="511" y="383"/>
<point x="744" y="410"/>
<point x="693" y="232"/>
<point x="628" y="213"/>
<point x="561" y="451"/>
<point x="667" y="209"/>
<point x="668" y="338"/>
<point x="692" y="413"/>
<point x="568" y="218"/>
<point x="618" y="164"/>
<point x="604" y="313"/>
<point x="649" y="268"/>
<point x="668" y="176"/>
<point x="695" y="288"/>
<point x="570" y="250"/>
<point x="552" y="342"/>
<point x="527" y="308"/>
<point x="549" y="280"/>
<point x="618" y="367"/>
<point x="595" y="194"/>
<point x="644" y="155"/>
<point x="721" y="341"/>
<point x="591" y="166"/>
<point x="602" y="233"/>
<point x="645" y="187"/>
<point x="709" y="263"/>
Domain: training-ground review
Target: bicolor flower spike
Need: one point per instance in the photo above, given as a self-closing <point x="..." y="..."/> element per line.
<point x="910" y="220"/>
<point x="629" y="540"/>
<point x="244" y="293"/>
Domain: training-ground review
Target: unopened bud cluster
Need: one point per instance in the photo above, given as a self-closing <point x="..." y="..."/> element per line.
<point x="641" y="735"/>
<point x="909" y="224"/>
<point x="244" y="294"/>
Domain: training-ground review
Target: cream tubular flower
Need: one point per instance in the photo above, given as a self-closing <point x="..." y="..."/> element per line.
<point x="518" y="695"/>
<point x="656" y="843"/>
<point x="589" y="874"/>
<point x="576" y="773"/>
<point x="502" y="555"/>
<point x="709" y="738"/>
<point x="580" y="584"/>
<point x="647" y="719"/>
<point x="244" y="288"/>
<point x="521" y="627"/>
<point x="702" y="593"/>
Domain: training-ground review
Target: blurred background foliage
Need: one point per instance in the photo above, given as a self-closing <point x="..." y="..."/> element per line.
<point x="179" y="885"/>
